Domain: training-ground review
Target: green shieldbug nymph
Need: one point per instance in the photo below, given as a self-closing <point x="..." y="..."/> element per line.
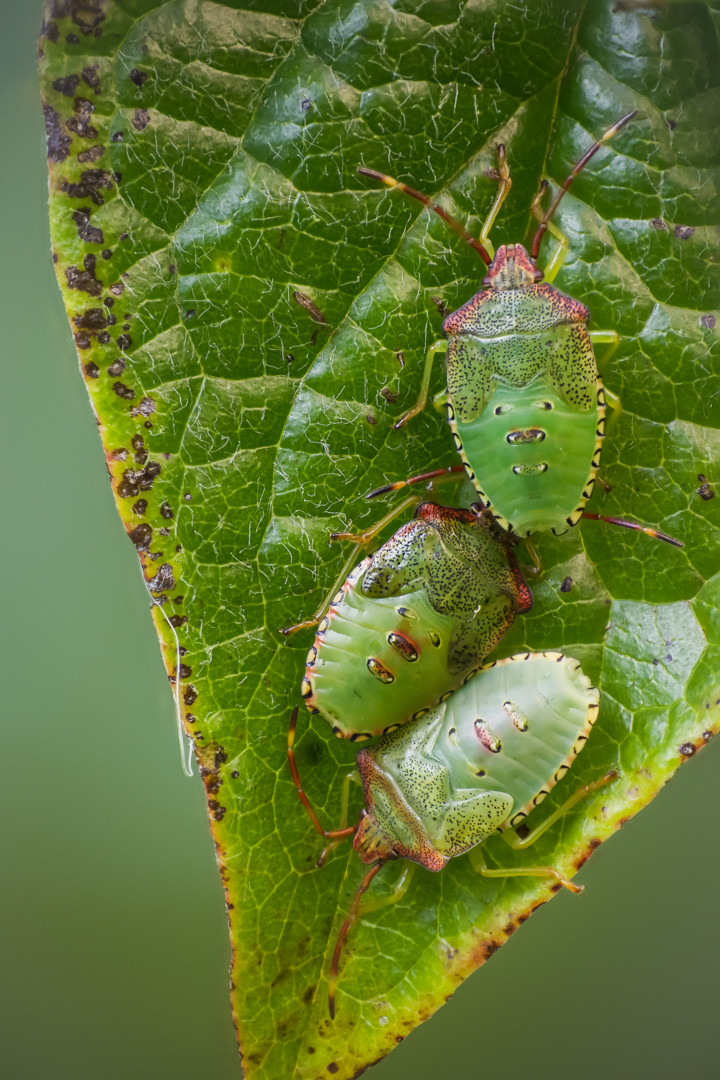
<point x="413" y="620"/>
<point x="524" y="399"/>
<point x="477" y="762"/>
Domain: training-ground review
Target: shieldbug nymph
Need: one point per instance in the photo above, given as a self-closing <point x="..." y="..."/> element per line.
<point x="479" y="761"/>
<point x="524" y="398"/>
<point x="411" y="622"/>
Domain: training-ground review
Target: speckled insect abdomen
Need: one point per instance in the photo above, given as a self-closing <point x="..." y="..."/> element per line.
<point x="412" y="621"/>
<point x="477" y="762"/>
<point x="534" y="450"/>
<point x="525" y="403"/>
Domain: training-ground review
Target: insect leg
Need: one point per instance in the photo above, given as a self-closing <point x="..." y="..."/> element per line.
<point x="352" y="915"/>
<point x="654" y="533"/>
<point x="348" y="779"/>
<point x="611" y="338"/>
<point x="322" y="610"/>
<point x="399" y="889"/>
<point x="328" y="834"/>
<point x="536" y="568"/>
<point x="503" y="175"/>
<point x="519" y="843"/>
<point x="478" y="862"/>
<point x="452" y="472"/>
<point x="391" y="182"/>
<point x="558" y="256"/>
<point x="436" y="347"/>
<point x="365" y="537"/>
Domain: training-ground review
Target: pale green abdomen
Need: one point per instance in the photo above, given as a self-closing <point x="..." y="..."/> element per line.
<point x="379" y="661"/>
<point x="481" y="760"/>
<point x="532" y="456"/>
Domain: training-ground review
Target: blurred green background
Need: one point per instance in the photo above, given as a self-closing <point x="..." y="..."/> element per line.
<point x="114" y="950"/>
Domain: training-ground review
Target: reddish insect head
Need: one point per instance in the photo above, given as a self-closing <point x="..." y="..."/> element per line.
<point x="512" y="268"/>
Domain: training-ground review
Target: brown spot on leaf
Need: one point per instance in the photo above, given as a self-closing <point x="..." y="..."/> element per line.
<point x="92" y="370"/>
<point x="389" y="395"/>
<point x="123" y="391"/>
<point x="709" y="321"/>
<point x="659" y="224"/>
<point x="90" y="76"/>
<point x="138" y="77"/>
<point x="136" y="480"/>
<point x="85" y="230"/>
<point x="141" y="536"/>
<point x="164" y="581"/>
<point x="440" y="305"/>
<point x="567" y="584"/>
<point x="66" y="84"/>
<point x="141" y="119"/>
<point x="687" y="749"/>
<point x="166" y="511"/>
<point x="86" y="157"/>
<point x="92" y="319"/>
<point x="145" y="408"/>
<point x="58" y="143"/>
<point x="313" y="311"/>
<point x="684" y="232"/>
<point x="80" y="123"/>
<point x="89" y="185"/>
<point x="706" y="492"/>
<point x="85" y="279"/>
<point x="49" y="30"/>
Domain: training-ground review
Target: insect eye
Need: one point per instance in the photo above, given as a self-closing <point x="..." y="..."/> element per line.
<point x="538" y="275"/>
<point x="500" y="409"/>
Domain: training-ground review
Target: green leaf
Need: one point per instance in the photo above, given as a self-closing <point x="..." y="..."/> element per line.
<point x="251" y="316"/>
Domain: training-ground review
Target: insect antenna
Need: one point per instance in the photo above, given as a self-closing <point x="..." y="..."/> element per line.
<point x="390" y="181"/>
<point x="328" y="834"/>
<point x="352" y="915"/>
<point x="654" y="533"/>
<point x="542" y="228"/>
